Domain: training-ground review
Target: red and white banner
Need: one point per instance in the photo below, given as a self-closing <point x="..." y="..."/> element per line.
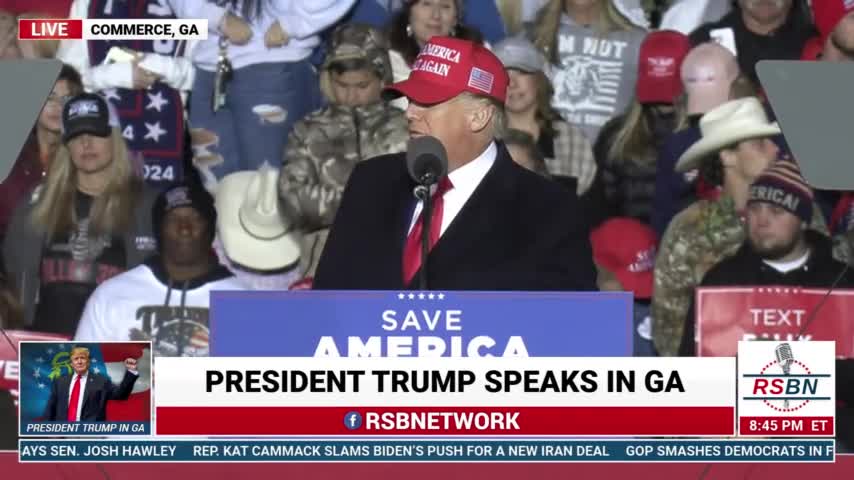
<point x="446" y="396"/>
<point x="103" y="29"/>
<point x="728" y="315"/>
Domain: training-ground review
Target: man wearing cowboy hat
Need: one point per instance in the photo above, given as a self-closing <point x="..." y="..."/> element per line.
<point x="735" y="148"/>
<point x="494" y="224"/>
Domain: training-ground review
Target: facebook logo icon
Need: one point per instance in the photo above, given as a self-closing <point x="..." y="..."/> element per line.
<point x="352" y="420"/>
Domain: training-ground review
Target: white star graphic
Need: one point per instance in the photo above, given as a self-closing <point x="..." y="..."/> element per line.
<point x="96" y="370"/>
<point x="154" y="131"/>
<point x="156" y="101"/>
<point x="431" y="296"/>
<point x="112" y="94"/>
<point x="421" y="296"/>
<point x="401" y="296"/>
<point x="441" y="296"/>
<point x="41" y="385"/>
<point x="62" y="346"/>
<point x="40" y="360"/>
<point x="37" y="373"/>
<point x="50" y="351"/>
<point x="411" y="296"/>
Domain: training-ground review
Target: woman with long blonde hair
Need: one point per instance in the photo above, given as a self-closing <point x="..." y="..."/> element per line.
<point x="88" y="221"/>
<point x="628" y="146"/>
<point x="593" y="47"/>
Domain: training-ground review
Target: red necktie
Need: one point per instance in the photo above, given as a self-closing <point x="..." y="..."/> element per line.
<point x="75" y="398"/>
<point x="412" y="249"/>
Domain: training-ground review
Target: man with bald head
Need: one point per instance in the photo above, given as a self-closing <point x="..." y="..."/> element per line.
<point x="494" y="224"/>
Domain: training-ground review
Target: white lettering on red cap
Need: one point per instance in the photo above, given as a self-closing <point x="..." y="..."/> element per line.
<point x="439" y="51"/>
<point x="661" y="66"/>
<point x="431" y="66"/>
<point x="645" y="261"/>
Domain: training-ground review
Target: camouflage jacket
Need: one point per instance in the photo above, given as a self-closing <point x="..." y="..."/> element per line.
<point x="696" y="239"/>
<point x="324" y="147"/>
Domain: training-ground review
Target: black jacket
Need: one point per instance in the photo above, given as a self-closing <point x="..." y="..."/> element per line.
<point x="518" y="231"/>
<point x="820" y="271"/>
<point x="784" y="44"/>
<point x="99" y="389"/>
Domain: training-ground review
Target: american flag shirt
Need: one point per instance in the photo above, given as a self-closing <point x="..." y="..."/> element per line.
<point x="152" y="120"/>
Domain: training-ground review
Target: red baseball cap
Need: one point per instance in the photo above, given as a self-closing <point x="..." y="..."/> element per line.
<point x="659" y="65"/>
<point x="627" y="248"/>
<point x="447" y="67"/>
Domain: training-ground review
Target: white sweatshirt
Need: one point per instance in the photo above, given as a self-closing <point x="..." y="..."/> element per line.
<point x="177" y="72"/>
<point x="141" y="305"/>
<point x="302" y="20"/>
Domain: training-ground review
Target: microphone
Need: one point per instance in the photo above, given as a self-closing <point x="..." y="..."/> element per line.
<point x="784" y="359"/>
<point x="784" y="356"/>
<point x="426" y="160"/>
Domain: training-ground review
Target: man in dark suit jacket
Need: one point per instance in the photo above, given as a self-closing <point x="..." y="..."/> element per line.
<point x="94" y="391"/>
<point x="497" y="227"/>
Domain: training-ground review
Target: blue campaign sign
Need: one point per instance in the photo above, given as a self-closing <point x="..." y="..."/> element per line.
<point x="423" y="324"/>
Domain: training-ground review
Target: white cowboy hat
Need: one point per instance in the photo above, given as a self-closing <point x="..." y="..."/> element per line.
<point x="255" y="233"/>
<point x="729" y="123"/>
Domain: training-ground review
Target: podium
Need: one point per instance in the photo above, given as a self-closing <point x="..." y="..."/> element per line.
<point x="420" y="324"/>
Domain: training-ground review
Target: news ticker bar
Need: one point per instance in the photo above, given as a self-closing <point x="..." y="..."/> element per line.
<point x="54" y="429"/>
<point x="123" y="29"/>
<point x="435" y="451"/>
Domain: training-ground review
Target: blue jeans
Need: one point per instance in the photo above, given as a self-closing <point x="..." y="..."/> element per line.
<point x="263" y="102"/>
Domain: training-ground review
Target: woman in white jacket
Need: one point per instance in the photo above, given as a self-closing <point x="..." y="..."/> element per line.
<point x="266" y="45"/>
<point x="147" y="86"/>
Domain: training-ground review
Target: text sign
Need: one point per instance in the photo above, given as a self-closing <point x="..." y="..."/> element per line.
<point x="727" y="315"/>
<point x="395" y="324"/>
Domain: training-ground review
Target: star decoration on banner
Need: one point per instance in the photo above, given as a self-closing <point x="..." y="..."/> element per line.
<point x="41" y="385"/>
<point x="421" y="296"/>
<point x="96" y="370"/>
<point x="62" y="346"/>
<point x="154" y="131"/>
<point x="441" y="296"/>
<point x="40" y="360"/>
<point x="50" y="351"/>
<point x="411" y="296"/>
<point x="112" y="94"/>
<point x="401" y="296"/>
<point x="37" y="373"/>
<point x="431" y="296"/>
<point x="156" y="101"/>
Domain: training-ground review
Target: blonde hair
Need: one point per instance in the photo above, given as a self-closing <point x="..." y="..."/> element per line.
<point x="549" y="18"/>
<point x="81" y="350"/>
<point x="633" y="137"/>
<point x="111" y="212"/>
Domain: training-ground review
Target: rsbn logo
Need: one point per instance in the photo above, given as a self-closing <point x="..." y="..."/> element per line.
<point x="352" y="420"/>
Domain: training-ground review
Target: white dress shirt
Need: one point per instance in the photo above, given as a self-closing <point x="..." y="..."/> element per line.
<point x="465" y="180"/>
<point x="83" y="380"/>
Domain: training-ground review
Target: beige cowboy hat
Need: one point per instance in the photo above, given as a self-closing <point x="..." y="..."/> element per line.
<point x="255" y="231"/>
<point x="729" y="123"/>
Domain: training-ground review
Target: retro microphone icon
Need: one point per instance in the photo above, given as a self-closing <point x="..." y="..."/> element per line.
<point x="784" y="359"/>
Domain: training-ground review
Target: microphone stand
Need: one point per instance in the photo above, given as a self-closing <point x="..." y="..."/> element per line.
<point x="423" y="194"/>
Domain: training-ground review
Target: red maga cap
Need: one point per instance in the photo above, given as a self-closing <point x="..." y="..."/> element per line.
<point x="626" y="248"/>
<point x="659" y="66"/>
<point x="447" y="67"/>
